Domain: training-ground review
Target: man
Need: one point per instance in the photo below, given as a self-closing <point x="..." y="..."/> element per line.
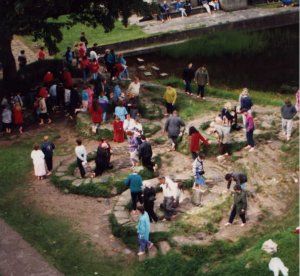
<point x="47" y="148"/>
<point x="188" y="75"/>
<point x="81" y="155"/>
<point x="288" y="112"/>
<point x="239" y="178"/>
<point x="22" y="59"/>
<point x="202" y="79"/>
<point x="134" y="87"/>
<point x="145" y="154"/>
<point x="170" y="97"/>
<point x="83" y="39"/>
<point x="93" y="52"/>
<point x="172" y="127"/>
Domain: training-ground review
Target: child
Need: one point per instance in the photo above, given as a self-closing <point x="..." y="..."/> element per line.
<point x="198" y="171"/>
<point x="118" y="130"/>
<point x="7" y="119"/>
<point x="18" y="117"/>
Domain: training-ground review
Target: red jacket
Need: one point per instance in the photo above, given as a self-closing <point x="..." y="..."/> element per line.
<point x="96" y="115"/>
<point x="48" y="77"/>
<point x="18" y="116"/>
<point x="84" y="63"/>
<point x="43" y="92"/>
<point x="195" y="141"/>
<point x="68" y="81"/>
<point x="41" y="55"/>
<point x="81" y="52"/>
<point x="94" y="67"/>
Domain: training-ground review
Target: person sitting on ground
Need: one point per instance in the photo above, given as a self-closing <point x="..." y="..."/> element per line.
<point x="135" y="182"/>
<point x="165" y="11"/>
<point x="172" y="127"/>
<point x="143" y="230"/>
<point x="288" y="112"/>
<point x="215" y="5"/>
<point x="188" y="75"/>
<point x="180" y="8"/>
<point x="249" y="130"/>
<point x="96" y="115"/>
<point x="239" y="178"/>
<point x="118" y="130"/>
<point x="145" y="154"/>
<point x="81" y="156"/>
<point x="195" y="138"/>
<point x="198" y="171"/>
<point x="22" y="60"/>
<point x="18" y="117"/>
<point x="205" y="4"/>
<point x="129" y="123"/>
<point x="121" y="111"/>
<point x="202" y="79"/>
<point x="38" y="159"/>
<point x="149" y="198"/>
<point x="245" y="103"/>
<point x="133" y="148"/>
<point x="170" y="97"/>
<point x="239" y="206"/>
<point x="7" y="119"/>
<point x="47" y="148"/>
<point x="104" y="143"/>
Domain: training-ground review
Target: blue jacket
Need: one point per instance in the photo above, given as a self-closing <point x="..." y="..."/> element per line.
<point x="143" y="227"/>
<point x="134" y="182"/>
<point x="246" y="103"/>
<point x="178" y="6"/>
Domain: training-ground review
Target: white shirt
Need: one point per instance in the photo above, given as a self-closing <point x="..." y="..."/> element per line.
<point x="53" y="90"/>
<point x="38" y="157"/>
<point x="128" y="124"/>
<point x="170" y="188"/>
<point x="134" y="88"/>
<point x="67" y="95"/>
<point x="93" y="55"/>
<point x="80" y="152"/>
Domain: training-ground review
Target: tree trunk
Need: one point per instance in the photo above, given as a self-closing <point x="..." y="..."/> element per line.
<point x="8" y="61"/>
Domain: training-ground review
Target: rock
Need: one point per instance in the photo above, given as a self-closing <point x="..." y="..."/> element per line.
<point x="140" y="60"/>
<point x="67" y="177"/>
<point x="155" y="68"/>
<point x="163" y="74"/>
<point x="220" y="158"/>
<point x="196" y="197"/>
<point x="127" y="251"/>
<point x="107" y="213"/>
<point x="62" y="169"/>
<point x="152" y="252"/>
<point x="269" y="246"/>
<point x="182" y="240"/>
<point x="119" y="208"/>
<point x="66" y="191"/>
<point x="266" y="125"/>
<point x="159" y="227"/>
<point x="147" y="74"/>
<point x="101" y="180"/>
<point x="59" y="174"/>
<point x="86" y="181"/>
<point x="114" y="191"/>
<point x="200" y="236"/>
<point x="123" y="221"/>
<point x="121" y="214"/>
<point x="142" y="67"/>
<point x="164" y="247"/>
<point x="142" y="257"/>
<point x="77" y="182"/>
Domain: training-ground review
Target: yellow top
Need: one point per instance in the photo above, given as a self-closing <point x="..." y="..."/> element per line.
<point x="170" y="95"/>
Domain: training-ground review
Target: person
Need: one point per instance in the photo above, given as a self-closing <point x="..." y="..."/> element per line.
<point x="195" y="138"/>
<point x="170" y="97"/>
<point x="129" y="123"/>
<point x="245" y="103"/>
<point x="118" y="130"/>
<point x="149" y="198"/>
<point x="7" y="119"/>
<point x="135" y="182"/>
<point x="288" y="112"/>
<point x="188" y="75"/>
<point x="67" y="78"/>
<point x="180" y="8"/>
<point x="198" y="171"/>
<point x="41" y="54"/>
<point x="104" y="104"/>
<point x="94" y="67"/>
<point x="69" y="55"/>
<point x="145" y="154"/>
<point x="249" y="131"/>
<point x="172" y="127"/>
<point x="121" y="111"/>
<point x="239" y="178"/>
<point x="47" y="148"/>
<point x="165" y="10"/>
<point x="76" y="54"/>
<point x="239" y="206"/>
<point x="82" y="50"/>
<point x="83" y="39"/>
<point x="298" y="100"/>
<point x="286" y="3"/>
<point x="188" y="7"/>
<point x="22" y="59"/>
<point x="110" y="61"/>
<point x="74" y="101"/>
<point x="18" y="117"/>
<point x="102" y="160"/>
<point x="43" y="112"/>
<point x="81" y="156"/>
<point x="133" y="105"/>
<point x="202" y="79"/>
<point x="133" y="148"/>
<point x="96" y="115"/>
<point x="38" y="159"/>
<point x="121" y="60"/>
<point x="48" y="78"/>
<point x="93" y="52"/>
<point x="84" y="100"/>
<point x="84" y="66"/>
<point x="143" y="230"/>
<point x="215" y="5"/>
<point x="134" y="87"/>
<point x="205" y="4"/>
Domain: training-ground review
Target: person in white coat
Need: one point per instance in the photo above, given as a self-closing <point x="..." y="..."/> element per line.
<point x="38" y="158"/>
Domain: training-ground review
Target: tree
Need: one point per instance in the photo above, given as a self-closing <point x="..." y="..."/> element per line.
<point x="37" y="18"/>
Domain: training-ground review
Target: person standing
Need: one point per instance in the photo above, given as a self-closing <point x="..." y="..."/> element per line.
<point x="7" y="119"/>
<point x="69" y="55"/>
<point x="202" y="79"/>
<point x="198" y="171"/>
<point x="288" y="112"/>
<point x="195" y="138"/>
<point x="121" y="111"/>
<point x="143" y="230"/>
<point x="83" y="39"/>
<point x="249" y="131"/>
<point x="149" y="198"/>
<point x="188" y="75"/>
<point x="18" y="117"/>
<point x="41" y="54"/>
<point x="38" y="159"/>
<point x="239" y="178"/>
<point x="102" y="160"/>
<point x="239" y="206"/>
<point x="22" y="59"/>
<point x="245" y="103"/>
<point x="134" y="87"/>
<point x="133" y="145"/>
<point x="172" y="127"/>
<point x="145" y="154"/>
<point x="81" y="155"/>
<point x="135" y="182"/>
<point x="170" y="97"/>
<point x="118" y="130"/>
<point x="96" y="115"/>
<point x="47" y="148"/>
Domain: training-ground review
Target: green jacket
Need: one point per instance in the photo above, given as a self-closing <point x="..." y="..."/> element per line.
<point x="240" y="201"/>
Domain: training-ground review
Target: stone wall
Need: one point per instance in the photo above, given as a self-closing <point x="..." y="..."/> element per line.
<point x="232" y="5"/>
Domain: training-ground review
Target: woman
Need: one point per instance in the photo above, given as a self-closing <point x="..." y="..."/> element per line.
<point x="96" y="115"/>
<point x="198" y="171"/>
<point x="102" y="160"/>
<point x="38" y="158"/>
<point x="133" y="148"/>
<point x="104" y="104"/>
<point x="195" y="138"/>
<point x="43" y="112"/>
<point x="118" y="130"/>
<point x="249" y="130"/>
<point x="121" y="111"/>
<point x="18" y="117"/>
<point x="149" y="198"/>
<point x="245" y="103"/>
<point x="7" y="119"/>
<point x="239" y="206"/>
<point x="143" y="230"/>
<point x="81" y="156"/>
<point x="170" y="97"/>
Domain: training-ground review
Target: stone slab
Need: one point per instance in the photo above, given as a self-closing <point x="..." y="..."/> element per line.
<point x="140" y="60"/>
<point x="59" y="174"/>
<point x="123" y="221"/>
<point x="147" y="74"/>
<point x="77" y="182"/>
<point x="155" y="68"/>
<point x="62" y="169"/>
<point x="142" y="67"/>
<point x="67" y="177"/>
<point x="164" y="74"/>
<point x="121" y="214"/>
<point x="164" y="247"/>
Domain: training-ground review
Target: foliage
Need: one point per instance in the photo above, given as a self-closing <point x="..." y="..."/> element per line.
<point x="151" y="128"/>
<point x="151" y="112"/>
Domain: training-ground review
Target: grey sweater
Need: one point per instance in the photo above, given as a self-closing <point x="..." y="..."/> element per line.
<point x="173" y="125"/>
<point x="288" y="111"/>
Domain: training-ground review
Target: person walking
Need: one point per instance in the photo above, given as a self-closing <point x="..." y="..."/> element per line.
<point x="170" y="97"/>
<point x="135" y="182"/>
<point x="81" y="155"/>
<point x="198" y="171"/>
<point x="188" y="75"/>
<point x="149" y="198"/>
<point x="143" y="230"/>
<point x="96" y="115"/>
<point x="288" y="112"/>
<point x="202" y="79"/>
<point x="145" y="154"/>
<point x="38" y="159"/>
<point x="239" y="178"/>
<point x="47" y="148"/>
<point x="195" y="138"/>
<point x="239" y="206"/>
<point x="172" y="127"/>
<point x="249" y="131"/>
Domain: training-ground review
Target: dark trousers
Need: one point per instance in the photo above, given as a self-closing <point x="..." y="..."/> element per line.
<point x="224" y="148"/>
<point x="200" y="90"/>
<point x="135" y="196"/>
<point x="149" y="205"/>
<point x="249" y="136"/>
<point x="188" y="87"/>
<point x="49" y="163"/>
<point x="233" y="214"/>
<point x="194" y="155"/>
<point x="81" y="168"/>
<point x="168" y="207"/>
<point x="147" y="163"/>
<point x="170" y="108"/>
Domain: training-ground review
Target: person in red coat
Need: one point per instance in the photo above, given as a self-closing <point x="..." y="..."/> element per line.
<point x="67" y="78"/>
<point x="18" y="117"/>
<point x="195" y="138"/>
<point x="41" y="55"/>
<point x="82" y="50"/>
<point x="48" y="78"/>
<point x="43" y="92"/>
<point x="96" y="115"/>
<point x="118" y="130"/>
<point x="94" y="67"/>
<point x="84" y="66"/>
